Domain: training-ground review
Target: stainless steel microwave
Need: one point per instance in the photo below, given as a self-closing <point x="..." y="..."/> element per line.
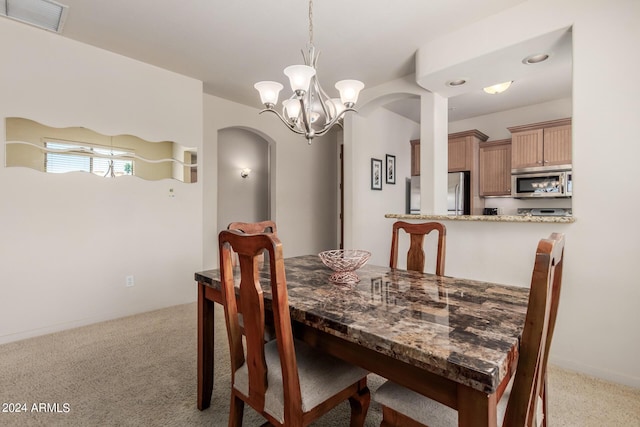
<point x="542" y="184"/>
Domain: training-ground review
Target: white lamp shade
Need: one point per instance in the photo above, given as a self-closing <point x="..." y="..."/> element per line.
<point x="269" y="92"/>
<point x="349" y="90"/>
<point x="291" y="108"/>
<point x="300" y="76"/>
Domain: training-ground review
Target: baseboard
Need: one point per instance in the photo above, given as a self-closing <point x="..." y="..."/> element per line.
<point x="59" y="327"/>
<point x="592" y="371"/>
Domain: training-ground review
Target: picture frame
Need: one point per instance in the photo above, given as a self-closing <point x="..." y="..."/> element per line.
<point x="390" y="172"/>
<point x="376" y="174"/>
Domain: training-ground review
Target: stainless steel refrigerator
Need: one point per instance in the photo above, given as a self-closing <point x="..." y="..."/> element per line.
<point x="458" y="194"/>
<point x="413" y="195"/>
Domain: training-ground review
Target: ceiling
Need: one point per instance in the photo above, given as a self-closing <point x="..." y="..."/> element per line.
<point x="229" y="45"/>
<point x="531" y="83"/>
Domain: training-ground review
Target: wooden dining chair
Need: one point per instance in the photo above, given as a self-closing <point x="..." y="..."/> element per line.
<point x="416" y="255"/>
<point x="524" y="401"/>
<point x="285" y="380"/>
<point x="267" y="226"/>
<point x="254" y="227"/>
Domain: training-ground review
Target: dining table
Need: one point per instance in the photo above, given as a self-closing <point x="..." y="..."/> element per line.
<point x="452" y="339"/>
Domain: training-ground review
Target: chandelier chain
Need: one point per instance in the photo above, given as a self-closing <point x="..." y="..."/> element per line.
<point x="311" y="22"/>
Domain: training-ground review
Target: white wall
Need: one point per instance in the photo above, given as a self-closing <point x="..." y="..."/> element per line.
<point x="69" y="240"/>
<point x="596" y="331"/>
<point x="303" y="180"/>
<point x="380" y="132"/>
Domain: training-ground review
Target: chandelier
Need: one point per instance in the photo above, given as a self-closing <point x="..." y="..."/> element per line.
<point x="309" y="111"/>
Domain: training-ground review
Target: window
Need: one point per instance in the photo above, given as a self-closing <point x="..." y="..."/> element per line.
<point x="64" y="157"/>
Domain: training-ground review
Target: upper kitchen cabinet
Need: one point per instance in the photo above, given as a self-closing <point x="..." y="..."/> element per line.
<point x="541" y="144"/>
<point x="463" y="149"/>
<point x="495" y="168"/>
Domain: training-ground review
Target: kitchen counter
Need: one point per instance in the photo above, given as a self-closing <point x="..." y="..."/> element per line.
<point x="488" y="218"/>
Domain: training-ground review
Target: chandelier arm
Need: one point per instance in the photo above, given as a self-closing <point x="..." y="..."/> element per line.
<point x="287" y="124"/>
<point x="323" y="97"/>
<point x="306" y="120"/>
<point x="333" y="121"/>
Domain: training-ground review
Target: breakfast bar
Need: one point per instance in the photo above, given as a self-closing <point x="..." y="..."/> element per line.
<point x="454" y="340"/>
<point x="487" y="218"/>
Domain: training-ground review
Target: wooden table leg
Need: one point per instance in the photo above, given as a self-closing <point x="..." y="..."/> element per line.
<point x="476" y="408"/>
<point x="205" y="348"/>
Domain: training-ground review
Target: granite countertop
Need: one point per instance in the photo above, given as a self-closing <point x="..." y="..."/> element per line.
<point x="464" y="330"/>
<point x="488" y="218"/>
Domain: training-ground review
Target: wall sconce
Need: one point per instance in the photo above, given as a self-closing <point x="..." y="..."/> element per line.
<point x="245" y="172"/>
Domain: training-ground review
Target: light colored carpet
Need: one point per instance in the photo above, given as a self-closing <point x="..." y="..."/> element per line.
<point x="141" y="370"/>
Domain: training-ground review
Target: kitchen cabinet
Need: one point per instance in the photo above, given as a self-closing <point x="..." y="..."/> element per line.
<point x="460" y="156"/>
<point x="415" y="157"/>
<point x="541" y="144"/>
<point x="495" y="168"/>
<point x="463" y="150"/>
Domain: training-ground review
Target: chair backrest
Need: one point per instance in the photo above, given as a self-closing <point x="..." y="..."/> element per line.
<point x="254" y="227"/>
<point x="249" y="247"/>
<point x="536" y="338"/>
<point x="416" y="255"/>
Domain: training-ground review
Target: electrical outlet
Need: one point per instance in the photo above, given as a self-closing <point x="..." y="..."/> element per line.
<point x="129" y="282"/>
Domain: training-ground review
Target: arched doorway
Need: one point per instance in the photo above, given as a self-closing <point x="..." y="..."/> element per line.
<point x="243" y="198"/>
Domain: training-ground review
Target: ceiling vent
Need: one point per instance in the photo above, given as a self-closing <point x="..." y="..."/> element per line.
<point x="45" y="14"/>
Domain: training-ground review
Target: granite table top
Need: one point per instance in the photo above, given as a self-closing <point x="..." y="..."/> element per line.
<point x="464" y="330"/>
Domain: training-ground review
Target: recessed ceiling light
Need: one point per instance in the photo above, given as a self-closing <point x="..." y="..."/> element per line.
<point x="454" y="83"/>
<point x="534" y="59"/>
<point x="45" y="14"/>
<point x="499" y="88"/>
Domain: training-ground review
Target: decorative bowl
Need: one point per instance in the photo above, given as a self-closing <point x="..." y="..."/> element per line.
<point x="344" y="263"/>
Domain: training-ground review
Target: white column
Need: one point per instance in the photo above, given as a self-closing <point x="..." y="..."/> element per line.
<point x="434" y="164"/>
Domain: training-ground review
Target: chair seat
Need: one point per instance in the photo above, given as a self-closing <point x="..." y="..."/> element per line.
<point x="314" y="368"/>
<point x="429" y="412"/>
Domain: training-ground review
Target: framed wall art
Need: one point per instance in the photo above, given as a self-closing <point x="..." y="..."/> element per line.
<point x="391" y="169"/>
<point x="376" y="174"/>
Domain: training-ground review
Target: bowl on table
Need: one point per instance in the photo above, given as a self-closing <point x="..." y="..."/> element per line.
<point x="344" y="263"/>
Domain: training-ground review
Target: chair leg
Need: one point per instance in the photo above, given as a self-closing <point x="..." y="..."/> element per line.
<point x="359" y="402"/>
<point x="385" y="418"/>
<point x="544" y="402"/>
<point x="236" y="411"/>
